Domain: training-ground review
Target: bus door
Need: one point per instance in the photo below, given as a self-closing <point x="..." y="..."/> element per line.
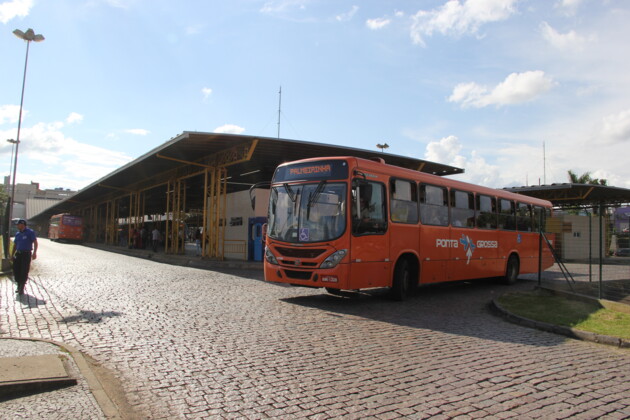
<point x="404" y="230"/>
<point x="436" y="242"/>
<point x="369" y="243"/>
<point x="466" y="257"/>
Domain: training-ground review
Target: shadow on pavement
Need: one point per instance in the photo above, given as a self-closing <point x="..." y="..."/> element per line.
<point x="90" y="316"/>
<point x="460" y="309"/>
<point x="30" y="301"/>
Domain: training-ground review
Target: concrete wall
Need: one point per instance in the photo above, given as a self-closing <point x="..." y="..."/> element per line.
<point x="238" y="212"/>
<point x="576" y="238"/>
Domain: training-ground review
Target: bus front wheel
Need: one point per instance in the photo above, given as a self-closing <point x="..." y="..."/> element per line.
<point x="512" y="270"/>
<point x="402" y="281"/>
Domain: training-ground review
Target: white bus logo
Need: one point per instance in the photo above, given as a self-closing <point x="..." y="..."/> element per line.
<point x="468" y="244"/>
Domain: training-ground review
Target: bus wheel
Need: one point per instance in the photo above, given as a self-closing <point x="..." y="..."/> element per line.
<point x="402" y="279"/>
<point x="512" y="270"/>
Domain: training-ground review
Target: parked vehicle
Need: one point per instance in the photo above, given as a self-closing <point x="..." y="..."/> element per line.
<point x="622" y="252"/>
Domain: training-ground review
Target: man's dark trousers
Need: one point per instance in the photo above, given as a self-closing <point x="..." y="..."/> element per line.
<point x="21" y="266"/>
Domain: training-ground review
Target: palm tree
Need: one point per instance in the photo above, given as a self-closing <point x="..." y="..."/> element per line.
<point x="585" y="178"/>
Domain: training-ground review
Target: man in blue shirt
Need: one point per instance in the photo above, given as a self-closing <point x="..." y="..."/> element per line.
<point x="24" y="248"/>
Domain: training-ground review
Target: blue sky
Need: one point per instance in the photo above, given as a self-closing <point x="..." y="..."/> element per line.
<point x="479" y="84"/>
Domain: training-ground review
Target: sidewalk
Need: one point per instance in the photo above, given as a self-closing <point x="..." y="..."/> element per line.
<point x="188" y="259"/>
<point x="31" y="369"/>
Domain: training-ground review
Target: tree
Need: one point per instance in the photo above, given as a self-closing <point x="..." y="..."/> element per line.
<point x="585" y="178"/>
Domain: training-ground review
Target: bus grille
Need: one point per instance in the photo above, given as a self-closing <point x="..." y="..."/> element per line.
<point x="300" y="252"/>
<point x="300" y="275"/>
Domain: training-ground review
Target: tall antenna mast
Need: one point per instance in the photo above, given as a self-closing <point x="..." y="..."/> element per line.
<point x="544" y="165"/>
<point x="279" y="108"/>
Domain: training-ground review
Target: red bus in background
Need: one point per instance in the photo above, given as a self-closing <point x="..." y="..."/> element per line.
<point x="65" y="227"/>
<point x="345" y="223"/>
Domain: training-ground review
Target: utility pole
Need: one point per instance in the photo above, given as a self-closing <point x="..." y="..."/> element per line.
<point x="279" y="108"/>
<point x="544" y="165"/>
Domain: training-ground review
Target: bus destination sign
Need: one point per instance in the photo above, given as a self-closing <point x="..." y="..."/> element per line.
<point x="312" y="171"/>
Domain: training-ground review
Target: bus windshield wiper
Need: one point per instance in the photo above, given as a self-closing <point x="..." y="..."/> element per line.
<point x="290" y="191"/>
<point x="314" y="196"/>
<point x="316" y="193"/>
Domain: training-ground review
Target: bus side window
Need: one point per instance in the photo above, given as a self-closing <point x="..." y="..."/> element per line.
<point x="403" y="201"/>
<point x="462" y="209"/>
<point x="433" y="205"/>
<point x="369" y="215"/>
<point x="506" y="215"/>
<point x="486" y="212"/>
<point x="524" y="217"/>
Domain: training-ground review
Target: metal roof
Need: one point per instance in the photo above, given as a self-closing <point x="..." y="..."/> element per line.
<point x="576" y="195"/>
<point x="195" y="146"/>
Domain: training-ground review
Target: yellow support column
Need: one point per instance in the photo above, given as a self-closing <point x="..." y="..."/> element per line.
<point x="175" y="216"/>
<point x="214" y="212"/>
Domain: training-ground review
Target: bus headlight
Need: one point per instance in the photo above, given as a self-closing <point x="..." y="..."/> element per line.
<point x="271" y="259"/>
<point x="334" y="259"/>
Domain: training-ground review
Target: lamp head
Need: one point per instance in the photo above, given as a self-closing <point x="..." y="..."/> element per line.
<point x="29" y="35"/>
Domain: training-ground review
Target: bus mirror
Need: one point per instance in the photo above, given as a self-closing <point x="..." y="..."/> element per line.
<point x="252" y="192"/>
<point x="252" y="197"/>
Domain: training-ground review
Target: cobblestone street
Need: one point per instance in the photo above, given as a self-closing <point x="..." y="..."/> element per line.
<point x="191" y="343"/>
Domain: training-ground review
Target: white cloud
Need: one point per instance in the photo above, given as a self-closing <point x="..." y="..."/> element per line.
<point x="120" y="4"/>
<point x="74" y="117"/>
<point x="569" y="7"/>
<point x="568" y="41"/>
<point x="229" y="129"/>
<point x="378" y="23"/>
<point x="9" y="114"/>
<point x="194" y="29"/>
<point x="282" y="6"/>
<point x="444" y="151"/>
<point x="138" y="131"/>
<point x="343" y="17"/>
<point x="616" y="128"/>
<point x="51" y="158"/>
<point x="14" y="8"/>
<point x="455" y="18"/>
<point x="206" y="93"/>
<point x="516" y="88"/>
<point x="448" y="151"/>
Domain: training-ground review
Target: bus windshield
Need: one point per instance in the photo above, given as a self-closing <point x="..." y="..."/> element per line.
<point x="310" y="212"/>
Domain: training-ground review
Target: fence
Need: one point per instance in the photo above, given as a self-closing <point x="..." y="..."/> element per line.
<point x="593" y="257"/>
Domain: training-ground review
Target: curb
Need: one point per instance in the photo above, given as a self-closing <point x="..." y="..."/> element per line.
<point x="496" y="308"/>
<point x="180" y="259"/>
<point x="108" y="406"/>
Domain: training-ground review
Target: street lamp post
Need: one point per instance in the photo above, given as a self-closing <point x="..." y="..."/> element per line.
<point x="27" y="36"/>
<point x="13" y="142"/>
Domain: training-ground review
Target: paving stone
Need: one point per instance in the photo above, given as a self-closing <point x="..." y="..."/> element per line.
<point x="190" y="343"/>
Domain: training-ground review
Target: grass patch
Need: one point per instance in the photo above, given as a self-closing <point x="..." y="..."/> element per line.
<point x="543" y="306"/>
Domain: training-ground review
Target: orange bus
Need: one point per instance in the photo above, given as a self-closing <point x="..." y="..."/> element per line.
<point x="66" y="227"/>
<point x="346" y="223"/>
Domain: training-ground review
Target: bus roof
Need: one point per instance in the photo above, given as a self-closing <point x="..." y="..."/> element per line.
<point x="380" y="166"/>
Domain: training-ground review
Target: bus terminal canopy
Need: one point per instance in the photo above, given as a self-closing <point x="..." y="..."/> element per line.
<point x="576" y="195"/>
<point x="246" y="159"/>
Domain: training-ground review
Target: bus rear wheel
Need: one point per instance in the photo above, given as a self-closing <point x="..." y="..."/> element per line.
<point x="512" y="270"/>
<point x="402" y="281"/>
